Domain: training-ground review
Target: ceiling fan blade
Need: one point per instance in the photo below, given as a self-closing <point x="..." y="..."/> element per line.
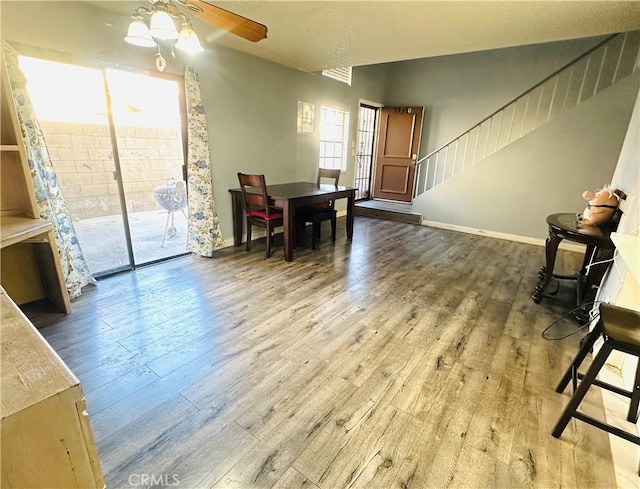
<point x="234" y="23"/>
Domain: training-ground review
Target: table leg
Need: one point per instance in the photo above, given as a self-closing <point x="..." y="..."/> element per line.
<point x="236" y="211"/>
<point x="551" y="248"/>
<point x="350" y="213"/>
<point x="289" y="230"/>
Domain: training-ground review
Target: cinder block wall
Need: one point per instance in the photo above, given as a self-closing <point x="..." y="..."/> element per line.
<point x="82" y="156"/>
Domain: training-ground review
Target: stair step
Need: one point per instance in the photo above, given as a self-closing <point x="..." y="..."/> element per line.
<point x="389" y="215"/>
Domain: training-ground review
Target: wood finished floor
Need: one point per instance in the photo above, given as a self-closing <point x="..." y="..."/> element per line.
<point x="409" y="358"/>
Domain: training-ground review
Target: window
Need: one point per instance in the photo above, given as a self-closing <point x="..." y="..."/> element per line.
<point x="341" y="74"/>
<point x="334" y="136"/>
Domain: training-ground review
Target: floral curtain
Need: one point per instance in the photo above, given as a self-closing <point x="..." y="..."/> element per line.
<point x="51" y="204"/>
<point x="204" y="228"/>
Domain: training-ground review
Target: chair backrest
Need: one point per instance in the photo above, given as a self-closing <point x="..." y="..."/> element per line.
<point x="254" y="193"/>
<point x="330" y="174"/>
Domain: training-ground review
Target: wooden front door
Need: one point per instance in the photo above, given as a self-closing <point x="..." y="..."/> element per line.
<point x="397" y="152"/>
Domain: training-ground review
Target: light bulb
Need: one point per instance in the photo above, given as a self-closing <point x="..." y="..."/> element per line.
<point x="188" y="40"/>
<point x="138" y="33"/>
<point x="161" y="25"/>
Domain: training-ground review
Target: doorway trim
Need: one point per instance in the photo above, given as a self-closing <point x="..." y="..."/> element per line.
<point x="398" y="144"/>
<point x="371" y="158"/>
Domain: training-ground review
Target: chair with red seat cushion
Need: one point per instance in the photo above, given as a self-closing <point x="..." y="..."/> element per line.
<point x="257" y="209"/>
<point x="320" y="212"/>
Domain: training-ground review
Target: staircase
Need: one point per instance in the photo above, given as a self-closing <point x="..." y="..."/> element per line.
<point x="600" y="67"/>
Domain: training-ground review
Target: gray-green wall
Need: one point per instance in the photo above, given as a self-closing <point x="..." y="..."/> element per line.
<point x="251" y="107"/>
<point x="545" y="172"/>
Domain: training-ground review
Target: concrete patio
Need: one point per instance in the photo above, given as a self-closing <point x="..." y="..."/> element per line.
<point x="104" y="245"/>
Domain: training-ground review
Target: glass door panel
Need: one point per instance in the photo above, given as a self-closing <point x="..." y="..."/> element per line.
<point x="365" y="151"/>
<point x="71" y="106"/>
<point x="148" y="128"/>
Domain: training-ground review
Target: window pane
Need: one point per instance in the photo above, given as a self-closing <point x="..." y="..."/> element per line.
<point x="334" y="134"/>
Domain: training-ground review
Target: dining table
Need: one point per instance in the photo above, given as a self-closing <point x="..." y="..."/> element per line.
<point x="289" y="197"/>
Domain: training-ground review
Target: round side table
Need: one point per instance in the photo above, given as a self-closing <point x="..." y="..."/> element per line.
<point x="599" y="248"/>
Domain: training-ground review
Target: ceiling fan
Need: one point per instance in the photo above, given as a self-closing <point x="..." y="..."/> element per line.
<point x="162" y="28"/>
<point x="229" y="21"/>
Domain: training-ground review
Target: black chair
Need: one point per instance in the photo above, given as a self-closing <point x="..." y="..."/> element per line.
<point x="257" y="209"/>
<point x="620" y="329"/>
<point x="318" y="213"/>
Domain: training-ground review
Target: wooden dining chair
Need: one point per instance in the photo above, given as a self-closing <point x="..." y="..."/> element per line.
<point x="319" y="213"/>
<point x="257" y="209"/>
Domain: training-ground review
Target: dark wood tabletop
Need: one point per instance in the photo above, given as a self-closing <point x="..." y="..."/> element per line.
<point x="303" y="190"/>
<point x="567" y="226"/>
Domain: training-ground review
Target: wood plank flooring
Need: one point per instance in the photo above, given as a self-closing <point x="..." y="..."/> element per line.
<point x="409" y="358"/>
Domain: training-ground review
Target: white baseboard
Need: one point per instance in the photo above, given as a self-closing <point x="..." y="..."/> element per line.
<point x="258" y="233"/>
<point x="227" y="243"/>
<point x="568" y="246"/>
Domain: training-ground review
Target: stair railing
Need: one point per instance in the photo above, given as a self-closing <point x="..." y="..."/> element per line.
<point x="598" y="68"/>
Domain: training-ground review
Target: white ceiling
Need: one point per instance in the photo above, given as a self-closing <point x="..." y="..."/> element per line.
<point x="313" y="35"/>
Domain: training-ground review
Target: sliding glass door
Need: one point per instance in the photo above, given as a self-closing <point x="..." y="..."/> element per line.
<point x="148" y="132"/>
<point x="116" y="143"/>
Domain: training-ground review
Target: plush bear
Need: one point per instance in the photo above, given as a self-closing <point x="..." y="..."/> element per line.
<point x="601" y="207"/>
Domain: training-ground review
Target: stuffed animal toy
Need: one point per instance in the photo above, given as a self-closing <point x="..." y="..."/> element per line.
<point x="601" y="207"/>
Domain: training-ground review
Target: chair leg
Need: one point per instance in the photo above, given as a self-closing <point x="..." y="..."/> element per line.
<point x="581" y="391"/>
<point x="248" y="236"/>
<point x="333" y="229"/>
<point x="572" y="371"/>
<point x="268" y="239"/>
<point x="635" y="397"/>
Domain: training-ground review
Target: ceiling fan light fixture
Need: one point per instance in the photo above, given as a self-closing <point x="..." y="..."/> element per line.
<point x="161" y="25"/>
<point x="188" y="40"/>
<point x="138" y="33"/>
